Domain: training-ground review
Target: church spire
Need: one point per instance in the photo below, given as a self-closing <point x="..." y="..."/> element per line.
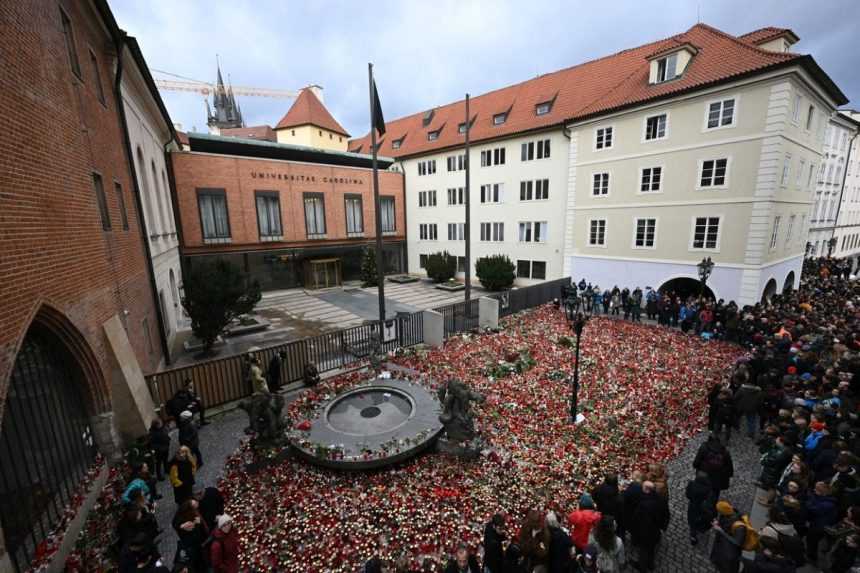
<point x="225" y="112"/>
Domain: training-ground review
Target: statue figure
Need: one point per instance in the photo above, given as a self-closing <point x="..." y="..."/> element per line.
<point x="264" y="411"/>
<point x="311" y="375"/>
<point x="456" y="415"/>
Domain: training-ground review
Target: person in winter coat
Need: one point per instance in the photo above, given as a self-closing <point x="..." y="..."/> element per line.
<point x="582" y="520"/>
<point x="773" y="464"/>
<point x="796" y="471"/>
<point x="823" y="512"/>
<point x="273" y="373"/>
<point x="159" y="441"/>
<point x="607" y="498"/>
<point x="192" y="532"/>
<point x="726" y="414"/>
<point x="534" y="540"/>
<point x="729" y="537"/>
<point x="630" y="499"/>
<point x="494" y="538"/>
<point x="224" y="547"/>
<point x="182" y="469"/>
<point x="713" y="396"/>
<point x="560" y="546"/>
<point x="650" y="519"/>
<point x="211" y="506"/>
<point x="715" y="460"/>
<point x="793" y="504"/>
<point x="769" y="559"/>
<point x="610" y="548"/>
<point x="748" y="399"/>
<point x="189" y="437"/>
<point x="845" y="553"/>
<point x="701" y="506"/>
<point x="514" y="560"/>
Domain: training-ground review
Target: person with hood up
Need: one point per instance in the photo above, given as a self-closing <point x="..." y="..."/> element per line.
<point x="729" y="539"/>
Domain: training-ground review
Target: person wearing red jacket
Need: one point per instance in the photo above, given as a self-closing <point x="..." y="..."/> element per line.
<point x="224" y="549"/>
<point x="582" y="520"/>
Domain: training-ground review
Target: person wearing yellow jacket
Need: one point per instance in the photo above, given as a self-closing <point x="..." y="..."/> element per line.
<point x="183" y="466"/>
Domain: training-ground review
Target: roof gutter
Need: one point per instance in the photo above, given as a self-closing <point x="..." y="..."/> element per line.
<point x="118" y="38"/>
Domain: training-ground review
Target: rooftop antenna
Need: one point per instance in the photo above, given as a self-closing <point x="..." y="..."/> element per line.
<point x="699" y="13"/>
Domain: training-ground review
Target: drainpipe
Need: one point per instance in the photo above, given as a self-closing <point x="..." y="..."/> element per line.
<point x="842" y="190"/>
<point x="120" y="107"/>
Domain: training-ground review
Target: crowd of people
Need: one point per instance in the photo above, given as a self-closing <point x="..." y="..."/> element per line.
<point x="794" y="394"/>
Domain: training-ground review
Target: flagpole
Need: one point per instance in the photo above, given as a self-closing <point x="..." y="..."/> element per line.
<point x="467" y="229"/>
<point x="380" y="274"/>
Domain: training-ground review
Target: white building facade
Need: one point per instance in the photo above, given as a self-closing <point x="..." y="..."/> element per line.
<point x="835" y="216"/>
<point x="150" y="133"/>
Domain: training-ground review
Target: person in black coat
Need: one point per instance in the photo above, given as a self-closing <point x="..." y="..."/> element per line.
<point x="630" y="499"/>
<point x="560" y="546"/>
<point x="607" y="498"/>
<point x="701" y="507"/>
<point x="729" y="538"/>
<point x="713" y="395"/>
<point x="189" y="437"/>
<point x="494" y="537"/>
<point x="650" y="519"/>
<point x="159" y="441"/>
<point x="186" y="398"/>
<point x="274" y="371"/>
<point x="211" y="506"/>
<point x="463" y="562"/>
<point x="715" y="460"/>
<point x="514" y="562"/>
<point x="726" y="414"/>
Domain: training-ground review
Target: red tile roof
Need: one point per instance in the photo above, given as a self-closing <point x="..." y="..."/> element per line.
<point x="261" y="132"/>
<point x="182" y="137"/>
<point x="309" y="110"/>
<point x="586" y="90"/>
<point x="762" y="35"/>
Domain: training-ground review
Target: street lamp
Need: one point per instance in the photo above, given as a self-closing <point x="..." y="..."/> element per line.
<point x="705" y="267"/>
<point x="577" y="323"/>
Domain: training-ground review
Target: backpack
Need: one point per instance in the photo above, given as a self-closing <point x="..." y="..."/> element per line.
<point x="752" y="536"/>
<point x="713" y="461"/>
<point x="794" y="548"/>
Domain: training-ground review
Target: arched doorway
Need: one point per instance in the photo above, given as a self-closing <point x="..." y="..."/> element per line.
<point x="685" y="287"/>
<point x="788" y="286"/>
<point x="769" y="291"/>
<point x="47" y="437"/>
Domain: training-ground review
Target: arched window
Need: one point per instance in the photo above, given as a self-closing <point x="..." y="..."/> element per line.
<point x="171" y="221"/>
<point x="46" y="442"/>
<point x="151" y="223"/>
<point x="158" y="197"/>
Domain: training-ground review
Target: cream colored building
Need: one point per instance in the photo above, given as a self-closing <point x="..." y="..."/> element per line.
<point x="308" y="123"/>
<point x="836" y="213"/>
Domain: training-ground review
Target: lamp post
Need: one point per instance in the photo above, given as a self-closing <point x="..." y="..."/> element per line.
<point x="705" y="267"/>
<point x="577" y="323"/>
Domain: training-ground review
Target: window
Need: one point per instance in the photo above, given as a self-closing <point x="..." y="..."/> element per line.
<point x="461" y="264"/>
<point x="386" y="206"/>
<point x="524" y="269"/>
<point x="427" y="232"/>
<point x="427" y="167"/>
<point x="491" y="157"/>
<point x="492" y="193"/>
<point x="427" y="198"/>
<point x="120" y="200"/>
<point x="314" y="215"/>
<point x="97" y="78"/>
<point x="533" y="232"/>
<point x="539" y="270"/>
<point x="795" y="115"/>
<point x="790" y="229"/>
<point x="456" y="195"/>
<point x="786" y="171"/>
<point x="655" y="127"/>
<point x="603" y="138"/>
<point x="646" y="229"/>
<point x="456" y="162"/>
<point x="706" y="232"/>
<point x="775" y="232"/>
<point x="810" y="117"/>
<point x="422" y="261"/>
<point x="500" y="118"/>
<point x="214" y="219"/>
<point x="600" y="186"/>
<point x="597" y="232"/>
<point x="493" y="232"/>
<point x="69" y="35"/>
<point x="721" y="113"/>
<point x="396" y="143"/>
<point x="433" y="135"/>
<point x="355" y="214"/>
<point x="652" y="178"/>
<point x="666" y="68"/>
<point x="800" y="169"/>
<point x="269" y="216"/>
<point x="534" y="190"/>
<point x="527" y="150"/>
<point x="456" y="231"/>
<point x="713" y="173"/>
<point x="543" y="108"/>
<point x="98" y="186"/>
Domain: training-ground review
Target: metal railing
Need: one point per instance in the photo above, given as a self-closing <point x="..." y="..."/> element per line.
<point x="223" y="380"/>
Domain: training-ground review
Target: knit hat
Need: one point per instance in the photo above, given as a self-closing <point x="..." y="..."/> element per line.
<point x="792" y="370"/>
<point x="185" y="415"/>
<point x="725" y="508"/>
<point x="223" y="520"/>
<point x="816" y="426"/>
<point x="585" y="502"/>
<point x="806" y="376"/>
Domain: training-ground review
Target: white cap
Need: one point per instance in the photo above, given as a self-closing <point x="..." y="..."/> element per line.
<point x="224" y="520"/>
<point x="185" y="415"/>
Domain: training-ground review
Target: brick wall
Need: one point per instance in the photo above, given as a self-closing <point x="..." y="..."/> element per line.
<point x="52" y="246"/>
<point x="241" y="177"/>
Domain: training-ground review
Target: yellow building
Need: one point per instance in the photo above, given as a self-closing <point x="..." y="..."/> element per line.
<point x="309" y="123"/>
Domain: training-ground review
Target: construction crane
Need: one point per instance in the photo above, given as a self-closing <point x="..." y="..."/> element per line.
<point x="206" y="89"/>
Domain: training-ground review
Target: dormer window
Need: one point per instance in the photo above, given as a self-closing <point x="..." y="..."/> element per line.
<point x="461" y="128"/>
<point x="428" y="117"/>
<point x="396" y="143"/>
<point x="543" y="108"/>
<point x="433" y="135"/>
<point x="666" y="68"/>
<point x="500" y="118"/>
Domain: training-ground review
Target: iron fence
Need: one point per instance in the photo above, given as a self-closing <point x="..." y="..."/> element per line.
<point x="223" y="380"/>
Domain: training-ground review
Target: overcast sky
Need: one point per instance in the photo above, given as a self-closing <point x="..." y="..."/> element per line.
<point x="431" y="53"/>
